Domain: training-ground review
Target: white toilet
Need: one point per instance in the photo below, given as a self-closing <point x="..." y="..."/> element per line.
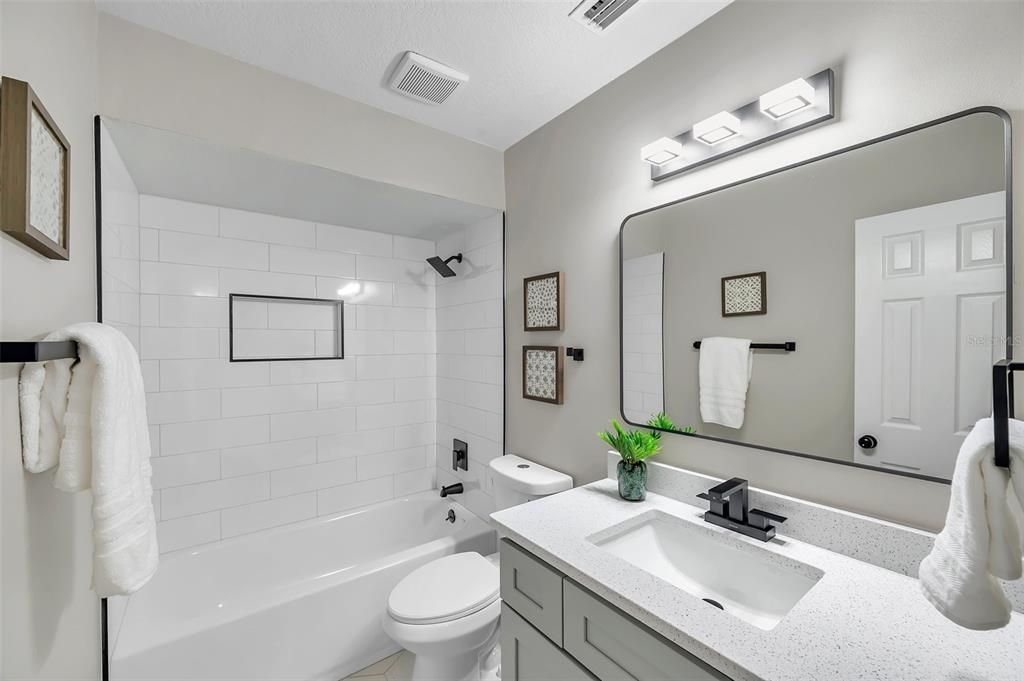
<point x="446" y="612"/>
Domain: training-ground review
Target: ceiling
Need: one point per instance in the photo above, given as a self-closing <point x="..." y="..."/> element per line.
<point x="177" y="166"/>
<point x="527" y="61"/>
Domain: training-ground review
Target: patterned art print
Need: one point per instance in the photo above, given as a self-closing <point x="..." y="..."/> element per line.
<point x="543" y="302"/>
<point x="542" y="374"/>
<point x="46" y="209"/>
<point x="744" y="294"/>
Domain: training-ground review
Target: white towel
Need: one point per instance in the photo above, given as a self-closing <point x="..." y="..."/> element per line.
<point x="89" y="420"/>
<point x="981" y="540"/>
<point x="725" y="367"/>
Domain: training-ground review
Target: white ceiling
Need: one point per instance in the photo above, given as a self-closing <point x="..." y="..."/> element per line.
<point x="527" y="61"/>
<point x="168" y="164"/>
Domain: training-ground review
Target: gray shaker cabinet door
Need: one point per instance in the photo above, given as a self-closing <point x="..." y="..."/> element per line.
<point x="528" y="656"/>
<point x="533" y="589"/>
<point x="614" y="647"/>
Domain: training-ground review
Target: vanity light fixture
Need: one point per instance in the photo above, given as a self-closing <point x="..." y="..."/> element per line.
<point x="790" y="108"/>
<point x="661" y="151"/>
<point x="787" y="99"/>
<point x="718" y="128"/>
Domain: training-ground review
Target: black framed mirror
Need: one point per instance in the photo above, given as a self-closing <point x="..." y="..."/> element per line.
<point x="873" y="284"/>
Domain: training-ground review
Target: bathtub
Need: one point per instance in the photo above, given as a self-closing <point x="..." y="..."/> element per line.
<point x="301" y="602"/>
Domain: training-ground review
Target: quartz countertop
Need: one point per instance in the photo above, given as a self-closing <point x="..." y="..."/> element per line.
<point x="858" y="622"/>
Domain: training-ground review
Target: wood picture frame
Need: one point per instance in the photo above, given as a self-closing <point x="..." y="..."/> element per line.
<point x="551" y="392"/>
<point x="547" y="289"/>
<point x="27" y="133"/>
<point x="745" y="294"/>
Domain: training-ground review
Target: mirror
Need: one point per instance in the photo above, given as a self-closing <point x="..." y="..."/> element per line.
<point x="884" y="264"/>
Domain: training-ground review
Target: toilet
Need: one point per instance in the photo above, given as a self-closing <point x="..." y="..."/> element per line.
<point x="447" y="611"/>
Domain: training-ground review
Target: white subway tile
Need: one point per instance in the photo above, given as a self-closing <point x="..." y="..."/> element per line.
<point x="419" y="388"/>
<point x="485" y="342"/>
<point x="236" y="461"/>
<point x="249" y="313"/>
<point x="186" y="405"/>
<point x="193" y="311"/>
<point x="170" y="343"/>
<point x="185" y="469"/>
<point x="415" y="342"/>
<point x="209" y="496"/>
<point x="149" y="309"/>
<point x="451" y="342"/>
<point x="268" y="399"/>
<point x="392" y="366"/>
<point x="197" y="249"/>
<point x="313" y="371"/>
<point x="179" y="280"/>
<point x="414" y="435"/>
<point x="389" y="463"/>
<point x="180" y="216"/>
<point x="309" y="478"/>
<point x="389" y="269"/>
<point x="266" y="283"/>
<point x="178" y="438"/>
<point x="398" y="414"/>
<point x="196" y="374"/>
<point x="273" y="344"/>
<point x="345" y="445"/>
<point x="335" y="238"/>
<point x="312" y="261"/>
<point x="412" y="482"/>
<point x="486" y="396"/>
<point x="309" y="424"/>
<point x="299" y="315"/>
<point x="355" y="292"/>
<point x="182" y="533"/>
<point x="408" y="248"/>
<point x="413" y="295"/>
<point x="149" y="244"/>
<point x="354" y="393"/>
<point x="240" y="224"/>
<point x="273" y="513"/>
<point x="369" y="343"/>
<point x="154" y="440"/>
<point x="354" y="495"/>
<point x="150" y="374"/>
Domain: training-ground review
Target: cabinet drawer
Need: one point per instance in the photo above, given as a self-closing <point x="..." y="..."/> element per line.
<point x="533" y="589"/>
<point x="614" y="647"/>
<point x="528" y="656"/>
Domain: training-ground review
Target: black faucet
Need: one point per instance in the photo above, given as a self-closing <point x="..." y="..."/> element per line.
<point x="451" y="489"/>
<point x="729" y="509"/>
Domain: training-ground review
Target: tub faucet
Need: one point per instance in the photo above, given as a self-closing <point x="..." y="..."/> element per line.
<point x="451" y="489"/>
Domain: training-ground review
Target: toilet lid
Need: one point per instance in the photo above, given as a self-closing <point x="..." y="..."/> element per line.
<point x="445" y="589"/>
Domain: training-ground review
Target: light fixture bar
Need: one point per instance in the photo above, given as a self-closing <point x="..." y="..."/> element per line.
<point x="789" y="108"/>
<point x="661" y="151"/>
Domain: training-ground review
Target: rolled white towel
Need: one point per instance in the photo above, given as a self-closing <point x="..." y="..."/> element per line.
<point x="981" y="540"/>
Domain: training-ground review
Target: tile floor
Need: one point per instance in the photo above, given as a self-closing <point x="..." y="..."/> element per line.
<point x="397" y="667"/>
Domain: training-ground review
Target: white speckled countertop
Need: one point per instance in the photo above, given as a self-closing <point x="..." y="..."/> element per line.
<point x="858" y="622"/>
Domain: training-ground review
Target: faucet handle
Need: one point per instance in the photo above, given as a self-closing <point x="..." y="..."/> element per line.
<point x="705" y="496"/>
<point x="763" y="519"/>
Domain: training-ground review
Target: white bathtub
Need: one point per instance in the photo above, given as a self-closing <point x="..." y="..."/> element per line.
<point x="301" y="602"/>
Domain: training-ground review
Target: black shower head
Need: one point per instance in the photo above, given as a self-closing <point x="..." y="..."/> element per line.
<point x="442" y="265"/>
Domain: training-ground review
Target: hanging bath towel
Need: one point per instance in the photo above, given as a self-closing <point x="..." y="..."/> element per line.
<point x="725" y="366"/>
<point x="88" y="418"/>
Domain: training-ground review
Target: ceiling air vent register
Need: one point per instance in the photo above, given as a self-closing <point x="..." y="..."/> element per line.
<point x="598" y="16"/>
<point x="425" y="80"/>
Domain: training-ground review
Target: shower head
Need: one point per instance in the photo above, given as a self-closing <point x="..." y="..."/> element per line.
<point x="442" y="265"/>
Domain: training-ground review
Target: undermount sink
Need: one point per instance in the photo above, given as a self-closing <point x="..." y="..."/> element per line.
<point x="755" y="585"/>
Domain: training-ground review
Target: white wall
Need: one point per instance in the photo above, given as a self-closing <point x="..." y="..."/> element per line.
<point x="150" y="78"/>
<point x="470" y="341"/>
<point x="50" y="627"/>
<point x="241" y="447"/>
<point x="569" y="184"/>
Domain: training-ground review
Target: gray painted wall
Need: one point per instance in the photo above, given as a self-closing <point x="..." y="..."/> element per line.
<point x="569" y="185"/>
<point x="799" y="228"/>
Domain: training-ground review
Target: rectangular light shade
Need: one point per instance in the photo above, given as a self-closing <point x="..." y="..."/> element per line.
<point x="788" y="99"/>
<point x="661" y="151"/>
<point x="720" y="127"/>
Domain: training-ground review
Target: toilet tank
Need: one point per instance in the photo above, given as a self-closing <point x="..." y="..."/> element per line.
<point x="518" y="480"/>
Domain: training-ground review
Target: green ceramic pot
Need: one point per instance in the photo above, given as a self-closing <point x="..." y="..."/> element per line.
<point x="632" y="481"/>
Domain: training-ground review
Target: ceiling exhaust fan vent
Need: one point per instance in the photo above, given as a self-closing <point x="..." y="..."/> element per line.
<point x="599" y="15"/>
<point x="425" y="80"/>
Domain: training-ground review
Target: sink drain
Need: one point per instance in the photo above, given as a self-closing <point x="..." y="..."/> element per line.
<point x="714" y="603"/>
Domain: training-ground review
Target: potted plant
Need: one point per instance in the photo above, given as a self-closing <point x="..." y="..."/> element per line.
<point x="635" y="447"/>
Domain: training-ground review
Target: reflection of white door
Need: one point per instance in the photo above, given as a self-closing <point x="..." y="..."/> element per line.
<point x="930" y="315"/>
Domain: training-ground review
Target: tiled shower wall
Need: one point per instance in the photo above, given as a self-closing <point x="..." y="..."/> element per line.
<point x="120" y="247"/>
<point x="643" y="386"/>
<point x="239" y="447"/>
<point x="470" y="364"/>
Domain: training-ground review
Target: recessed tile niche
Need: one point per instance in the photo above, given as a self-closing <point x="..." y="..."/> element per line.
<point x="269" y="328"/>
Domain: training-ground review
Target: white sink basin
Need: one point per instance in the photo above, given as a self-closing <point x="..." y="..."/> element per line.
<point x="755" y="585"/>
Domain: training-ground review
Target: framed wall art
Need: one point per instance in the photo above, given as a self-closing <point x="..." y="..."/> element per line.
<point x="744" y="294"/>
<point x="542" y="373"/>
<point x="35" y="172"/>
<point x="543" y="302"/>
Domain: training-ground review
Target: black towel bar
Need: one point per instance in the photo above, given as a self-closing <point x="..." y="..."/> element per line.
<point x="37" y="351"/>
<point x="788" y="346"/>
<point x="1002" y="407"/>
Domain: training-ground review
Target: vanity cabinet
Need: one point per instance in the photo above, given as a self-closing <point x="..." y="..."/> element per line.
<point x="592" y="639"/>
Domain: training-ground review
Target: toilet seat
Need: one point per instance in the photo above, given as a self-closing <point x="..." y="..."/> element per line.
<point x="445" y="589"/>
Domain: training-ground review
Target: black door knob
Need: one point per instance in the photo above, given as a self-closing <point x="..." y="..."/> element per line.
<point x="867" y="442"/>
